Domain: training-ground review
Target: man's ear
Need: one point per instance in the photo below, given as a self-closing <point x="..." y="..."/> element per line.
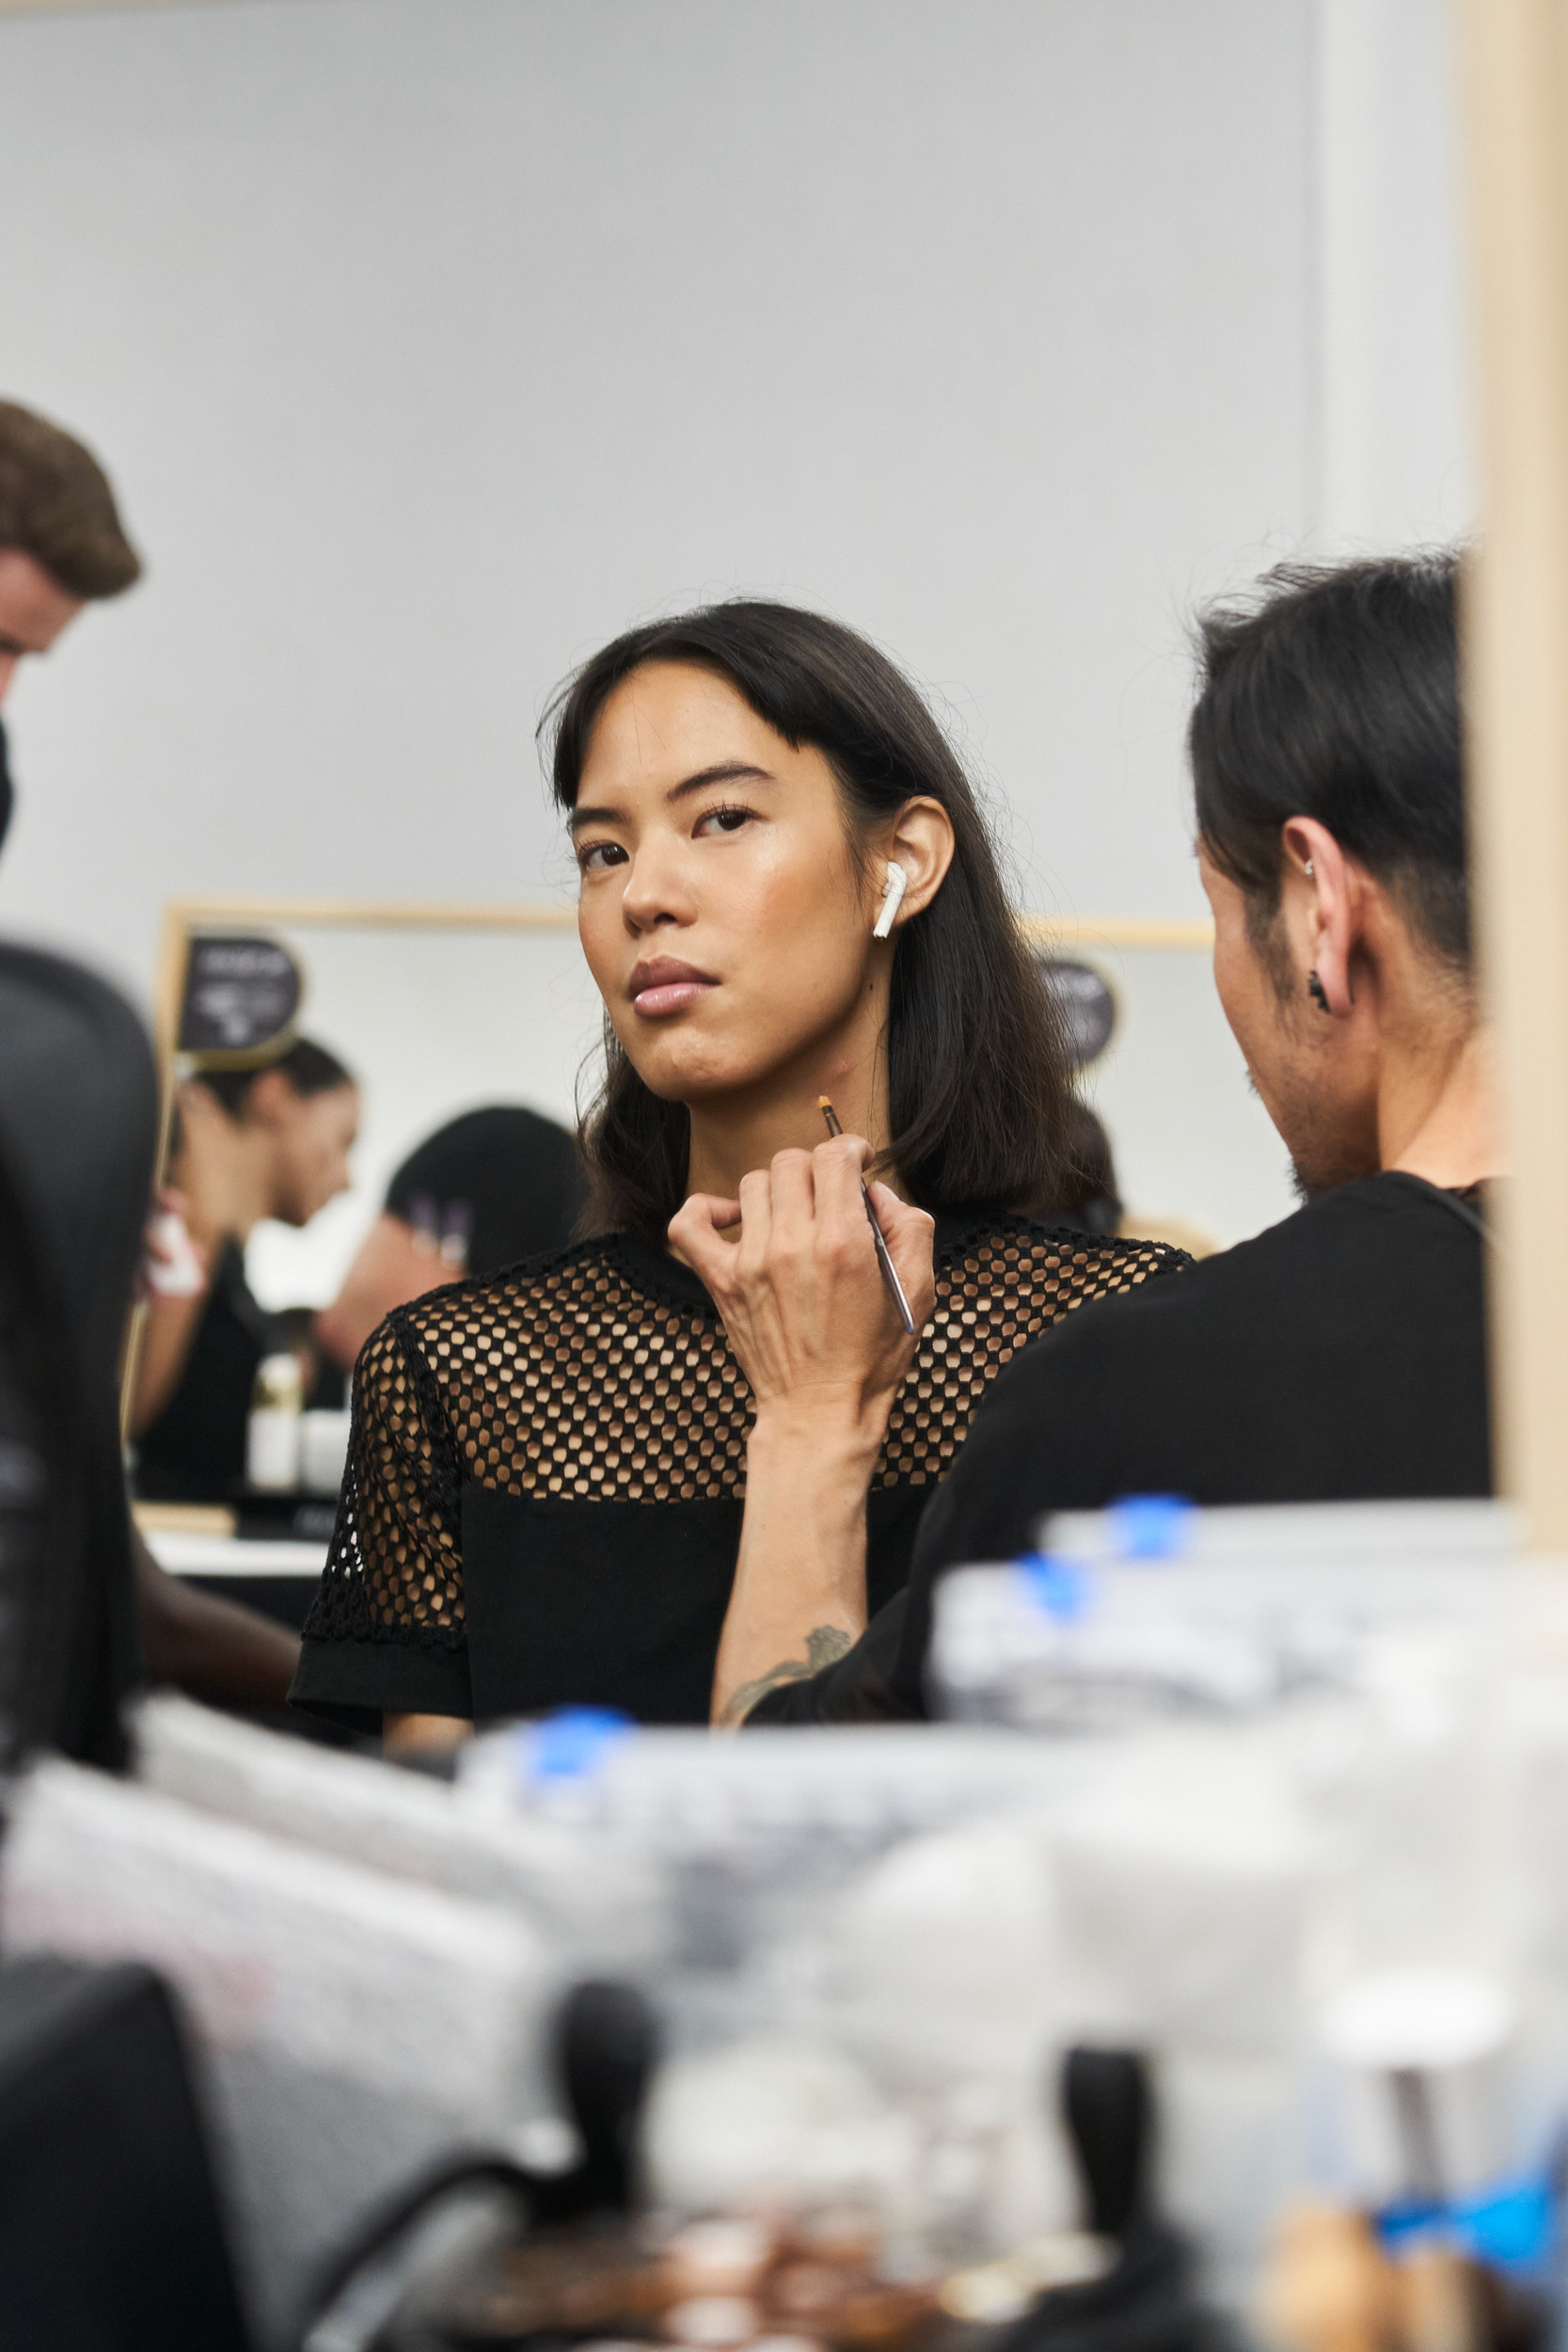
<point x="1321" y="901"/>
<point x="922" y="843"/>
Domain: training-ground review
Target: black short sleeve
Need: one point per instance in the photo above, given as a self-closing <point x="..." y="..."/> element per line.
<point x="385" y="1631"/>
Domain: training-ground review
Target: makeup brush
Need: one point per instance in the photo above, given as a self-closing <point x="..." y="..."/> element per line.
<point x="890" y="1272"/>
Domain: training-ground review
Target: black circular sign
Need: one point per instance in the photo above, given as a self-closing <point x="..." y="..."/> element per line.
<point x="1084" y="1004"/>
<point x="242" y="994"/>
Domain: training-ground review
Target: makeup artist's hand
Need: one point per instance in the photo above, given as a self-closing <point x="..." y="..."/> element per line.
<point x="800" y="1292"/>
<point x="821" y="1343"/>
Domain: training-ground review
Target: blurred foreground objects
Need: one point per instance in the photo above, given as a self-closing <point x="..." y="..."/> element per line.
<point x="110" y="2229"/>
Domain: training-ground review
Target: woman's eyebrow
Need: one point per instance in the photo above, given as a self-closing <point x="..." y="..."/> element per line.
<point x="726" y="771"/>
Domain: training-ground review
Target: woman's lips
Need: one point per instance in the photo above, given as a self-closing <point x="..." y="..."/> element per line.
<point x="672" y="996"/>
<point x="663" y="986"/>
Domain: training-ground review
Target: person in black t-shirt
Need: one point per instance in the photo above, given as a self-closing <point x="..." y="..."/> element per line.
<point x="491" y="1188"/>
<point x="1341" y="1355"/>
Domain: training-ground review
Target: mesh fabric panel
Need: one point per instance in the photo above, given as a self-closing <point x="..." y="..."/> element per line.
<point x="579" y="1380"/>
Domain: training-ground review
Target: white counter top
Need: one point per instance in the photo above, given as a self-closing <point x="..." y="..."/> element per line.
<point x="185" y="1554"/>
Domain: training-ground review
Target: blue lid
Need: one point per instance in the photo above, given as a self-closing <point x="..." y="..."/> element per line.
<point x="569" y="1743"/>
<point x="1058" y="1586"/>
<point x="1152" y="1527"/>
<point x="1409" y="2219"/>
<point x="1511" y="2225"/>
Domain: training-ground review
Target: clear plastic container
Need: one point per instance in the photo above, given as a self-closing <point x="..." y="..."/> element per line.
<point x="1155" y="1609"/>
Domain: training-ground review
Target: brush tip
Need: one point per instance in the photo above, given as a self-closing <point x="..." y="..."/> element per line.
<point x="824" y="1103"/>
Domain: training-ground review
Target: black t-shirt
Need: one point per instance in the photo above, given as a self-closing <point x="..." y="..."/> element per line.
<point x="1339" y="1357"/>
<point x="509" y="1177"/>
<point x="195" y="1451"/>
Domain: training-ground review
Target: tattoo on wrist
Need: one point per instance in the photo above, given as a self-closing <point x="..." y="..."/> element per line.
<point x="825" y="1645"/>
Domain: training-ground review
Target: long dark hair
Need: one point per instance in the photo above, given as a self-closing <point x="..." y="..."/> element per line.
<point x="978" y="1083"/>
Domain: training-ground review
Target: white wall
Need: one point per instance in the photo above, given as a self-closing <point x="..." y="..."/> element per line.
<point x="431" y="341"/>
<point x="1393" y="424"/>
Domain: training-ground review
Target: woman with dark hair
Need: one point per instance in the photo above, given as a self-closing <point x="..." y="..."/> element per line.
<point x="786" y="893"/>
<point x="271" y="1141"/>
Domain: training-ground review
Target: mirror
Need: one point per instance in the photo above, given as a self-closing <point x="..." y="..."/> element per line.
<point x="438" y="1011"/>
<point x="434" y="1009"/>
<point x="1198" y="1158"/>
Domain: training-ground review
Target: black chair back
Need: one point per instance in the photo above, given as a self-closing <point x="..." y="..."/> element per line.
<point x="78" y="1133"/>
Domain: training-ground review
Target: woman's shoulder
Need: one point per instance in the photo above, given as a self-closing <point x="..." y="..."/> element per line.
<point x="612" y="1274"/>
<point x="987" y="1247"/>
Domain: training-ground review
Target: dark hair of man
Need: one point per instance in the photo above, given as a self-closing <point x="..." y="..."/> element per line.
<point x="977" y="1075"/>
<point x="57" y="506"/>
<point x="309" y="1068"/>
<point x="1335" y="695"/>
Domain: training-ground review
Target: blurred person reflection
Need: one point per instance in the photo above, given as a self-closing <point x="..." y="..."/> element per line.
<point x="487" y="1190"/>
<point x="1087" y="1195"/>
<point x="272" y="1142"/>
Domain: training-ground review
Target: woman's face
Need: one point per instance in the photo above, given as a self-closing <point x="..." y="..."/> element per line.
<point x="720" y="912"/>
<point x="313" y="1135"/>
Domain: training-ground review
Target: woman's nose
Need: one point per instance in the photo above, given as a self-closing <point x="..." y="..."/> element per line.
<point x="656" y="890"/>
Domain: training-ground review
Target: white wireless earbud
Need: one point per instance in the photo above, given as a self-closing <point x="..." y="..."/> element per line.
<point x="892" y="899"/>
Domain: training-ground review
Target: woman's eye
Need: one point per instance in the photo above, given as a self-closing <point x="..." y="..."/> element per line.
<point x="722" y="820"/>
<point x="596" y="856"/>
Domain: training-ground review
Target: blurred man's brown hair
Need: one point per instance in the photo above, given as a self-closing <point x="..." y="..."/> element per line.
<point x="57" y="506"/>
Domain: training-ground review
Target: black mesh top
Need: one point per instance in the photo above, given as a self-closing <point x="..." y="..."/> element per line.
<point x="547" y="1470"/>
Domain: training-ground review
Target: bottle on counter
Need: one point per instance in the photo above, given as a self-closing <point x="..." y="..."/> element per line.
<point x="272" y="1433"/>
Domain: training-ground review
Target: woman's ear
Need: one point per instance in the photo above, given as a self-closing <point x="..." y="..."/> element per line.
<point x="922" y="843"/>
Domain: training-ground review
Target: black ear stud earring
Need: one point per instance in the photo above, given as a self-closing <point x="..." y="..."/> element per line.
<point x="1316" y="990"/>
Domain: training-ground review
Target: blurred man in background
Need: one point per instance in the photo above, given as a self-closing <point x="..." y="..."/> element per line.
<point x="63" y="546"/>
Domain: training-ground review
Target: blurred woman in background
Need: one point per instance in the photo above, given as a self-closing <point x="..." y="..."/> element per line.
<point x="272" y="1142"/>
